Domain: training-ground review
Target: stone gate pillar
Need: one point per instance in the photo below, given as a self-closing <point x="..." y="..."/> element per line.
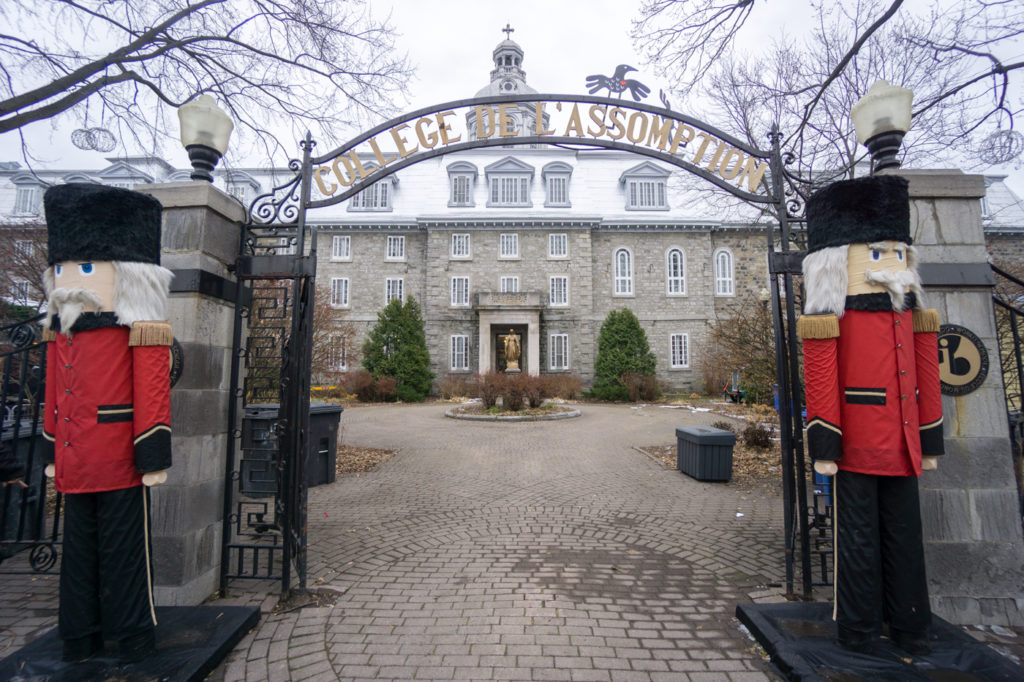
<point x="201" y="227"/>
<point x="969" y="507"/>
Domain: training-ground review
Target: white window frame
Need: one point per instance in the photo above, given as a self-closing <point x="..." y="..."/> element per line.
<point x="24" y="249"/>
<point x="622" y="276"/>
<point x="461" y="192"/>
<point x="337" y="359"/>
<point x="724" y="269"/>
<point x="558" y="352"/>
<point x="240" y="191"/>
<point x="675" y="282"/>
<point x="459" y="291"/>
<point x="646" y="194"/>
<point x="679" y="351"/>
<point x="509" y="284"/>
<point x="509" y="189"/>
<point x="390" y="286"/>
<point x="341" y="247"/>
<point x="395" y="247"/>
<point x="508" y="245"/>
<point x="553" y="239"/>
<point x="27" y="200"/>
<point x="285" y="247"/>
<point x="556" y="190"/>
<point x="376" y="197"/>
<point x="20" y="291"/>
<point x="461" y="246"/>
<point x="458" y="354"/>
<point x="339" y="292"/>
<point x="553" y="291"/>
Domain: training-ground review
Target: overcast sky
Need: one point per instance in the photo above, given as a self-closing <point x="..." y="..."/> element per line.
<point x="450" y="42"/>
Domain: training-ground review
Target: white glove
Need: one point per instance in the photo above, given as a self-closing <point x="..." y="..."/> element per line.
<point x="929" y="463"/>
<point x="826" y="467"/>
<point x="50" y="470"/>
<point x="154" y="478"/>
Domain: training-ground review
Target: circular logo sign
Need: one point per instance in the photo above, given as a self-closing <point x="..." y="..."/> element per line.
<point x="177" y="361"/>
<point x="963" y="360"/>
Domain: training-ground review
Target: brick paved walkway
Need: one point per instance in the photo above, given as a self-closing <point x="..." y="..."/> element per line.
<point x="547" y="551"/>
<point x="544" y="550"/>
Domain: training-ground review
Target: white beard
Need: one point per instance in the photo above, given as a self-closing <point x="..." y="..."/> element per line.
<point x="897" y="284"/>
<point x="70" y="304"/>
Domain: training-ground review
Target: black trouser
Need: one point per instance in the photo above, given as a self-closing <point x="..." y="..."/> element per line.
<point x="104" y="575"/>
<point x="880" y="574"/>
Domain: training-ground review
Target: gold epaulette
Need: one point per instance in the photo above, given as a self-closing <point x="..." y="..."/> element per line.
<point x="151" y="334"/>
<point x="926" y="321"/>
<point x="818" y="326"/>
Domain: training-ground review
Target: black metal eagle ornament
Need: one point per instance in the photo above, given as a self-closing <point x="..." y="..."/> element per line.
<point x="618" y="83"/>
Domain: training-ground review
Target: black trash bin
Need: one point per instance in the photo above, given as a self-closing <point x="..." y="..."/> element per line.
<point x="259" y="446"/>
<point x="705" y="453"/>
<point x="20" y="508"/>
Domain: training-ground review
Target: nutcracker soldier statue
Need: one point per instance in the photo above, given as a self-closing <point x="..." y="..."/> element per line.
<point x="874" y="411"/>
<point x="107" y="408"/>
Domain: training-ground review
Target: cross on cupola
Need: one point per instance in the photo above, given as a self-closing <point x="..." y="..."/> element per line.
<point x="508" y="31"/>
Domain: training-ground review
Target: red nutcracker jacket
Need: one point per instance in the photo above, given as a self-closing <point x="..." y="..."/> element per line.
<point x="872" y="385"/>
<point x="108" y="405"/>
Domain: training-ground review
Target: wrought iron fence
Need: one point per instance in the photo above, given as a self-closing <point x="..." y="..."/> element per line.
<point x="1008" y="300"/>
<point x="29" y="510"/>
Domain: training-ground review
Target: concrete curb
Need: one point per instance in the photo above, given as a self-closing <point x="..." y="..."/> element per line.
<point x="452" y="414"/>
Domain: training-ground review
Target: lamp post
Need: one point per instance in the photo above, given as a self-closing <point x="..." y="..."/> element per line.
<point x="205" y="131"/>
<point x="882" y="118"/>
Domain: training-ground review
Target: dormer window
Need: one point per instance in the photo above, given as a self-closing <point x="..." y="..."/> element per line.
<point x="556" y="184"/>
<point x="376" y="197"/>
<point x="509" y="183"/>
<point x="646" y="187"/>
<point x="28" y="198"/>
<point x="242" y="186"/>
<point x="462" y="182"/>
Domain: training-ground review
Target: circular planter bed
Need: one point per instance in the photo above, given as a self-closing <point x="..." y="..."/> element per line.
<point x="475" y="411"/>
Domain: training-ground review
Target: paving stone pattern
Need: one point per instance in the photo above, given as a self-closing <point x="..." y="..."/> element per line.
<point x="525" y="551"/>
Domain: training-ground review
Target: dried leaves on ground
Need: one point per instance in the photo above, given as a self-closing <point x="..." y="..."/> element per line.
<point x="356" y="459"/>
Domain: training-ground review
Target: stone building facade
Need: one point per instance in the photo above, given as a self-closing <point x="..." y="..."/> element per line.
<point x="544" y="241"/>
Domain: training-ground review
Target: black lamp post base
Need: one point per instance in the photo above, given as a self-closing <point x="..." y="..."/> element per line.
<point x="884" y="149"/>
<point x="204" y="159"/>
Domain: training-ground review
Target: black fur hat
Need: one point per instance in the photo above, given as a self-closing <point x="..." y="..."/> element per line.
<point x="90" y="222"/>
<point x="858" y="211"/>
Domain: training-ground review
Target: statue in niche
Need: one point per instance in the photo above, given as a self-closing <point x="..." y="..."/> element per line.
<point x="512" y="351"/>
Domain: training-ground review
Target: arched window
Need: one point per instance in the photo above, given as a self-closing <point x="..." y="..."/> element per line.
<point x="623" y="272"/>
<point x="675" y="272"/>
<point x="723" y="273"/>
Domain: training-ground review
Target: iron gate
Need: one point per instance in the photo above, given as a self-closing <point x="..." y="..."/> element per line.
<point x="29" y="514"/>
<point x="1008" y="300"/>
<point x="264" y="530"/>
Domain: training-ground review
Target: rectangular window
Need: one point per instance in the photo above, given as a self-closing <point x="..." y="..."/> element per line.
<point x="460" y="246"/>
<point x="394" y="288"/>
<point x="647" y="194"/>
<point x="26" y="200"/>
<point x="396" y="247"/>
<point x="558" y="351"/>
<point x="559" y="290"/>
<point x="510" y="191"/>
<point x="509" y="246"/>
<point x="341" y="247"/>
<point x="376" y="197"/>
<point x="558" y="194"/>
<point x="509" y="284"/>
<point x="461" y="194"/>
<point x="285" y="247"/>
<point x="338" y="353"/>
<point x="680" y="351"/>
<point x="339" y="292"/>
<point x="239" y="192"/>
<point x="460" y="352"/>
<point x="20" y="290"/>
<point x="558" y="245"/>
<point x="460" y="291"/>
<point x="23" y="249"/>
